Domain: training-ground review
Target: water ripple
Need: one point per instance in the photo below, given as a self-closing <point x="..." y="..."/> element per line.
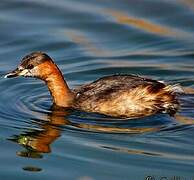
<point x="89" y="40"/>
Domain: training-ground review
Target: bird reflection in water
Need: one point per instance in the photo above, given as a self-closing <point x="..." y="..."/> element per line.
<point x="38" y="141"/>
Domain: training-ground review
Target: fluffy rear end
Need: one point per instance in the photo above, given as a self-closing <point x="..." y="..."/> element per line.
<point x="168" y="97"/>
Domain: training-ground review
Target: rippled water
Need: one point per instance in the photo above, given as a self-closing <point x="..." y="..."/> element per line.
<point x="90" y="39"/>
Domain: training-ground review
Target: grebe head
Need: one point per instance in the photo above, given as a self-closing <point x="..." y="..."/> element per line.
<point x="36" y="64"/>
<point x="41" y="66"/>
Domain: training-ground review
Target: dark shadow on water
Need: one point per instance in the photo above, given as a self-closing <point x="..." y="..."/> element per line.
<point x="32" y="169"/>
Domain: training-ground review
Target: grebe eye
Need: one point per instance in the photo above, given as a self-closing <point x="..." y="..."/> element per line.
<point x="30" y="66"/>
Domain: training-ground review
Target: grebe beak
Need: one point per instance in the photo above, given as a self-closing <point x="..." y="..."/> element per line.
<point x="17" y="72"/>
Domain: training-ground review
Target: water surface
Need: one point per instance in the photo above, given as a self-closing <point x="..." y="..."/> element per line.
<point x="90" y="39"/>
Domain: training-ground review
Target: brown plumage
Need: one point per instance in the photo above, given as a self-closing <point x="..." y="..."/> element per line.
<point x="118" y="95"/>
<point x="127" y="96"/>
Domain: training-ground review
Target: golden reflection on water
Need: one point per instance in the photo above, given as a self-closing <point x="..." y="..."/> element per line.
<point x="86" y="43"/>
<point x="188" y="90"/>
<point x="142" y="24"/>
<point x="131" y="151"/>
<point x="188" y="3"/>
<point x="184" y="120"/>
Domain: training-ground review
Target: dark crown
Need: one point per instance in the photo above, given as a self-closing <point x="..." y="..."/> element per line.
<point x="34" y="59"/>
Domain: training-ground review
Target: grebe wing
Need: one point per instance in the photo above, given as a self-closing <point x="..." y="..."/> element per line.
<point x="114" y="83"/>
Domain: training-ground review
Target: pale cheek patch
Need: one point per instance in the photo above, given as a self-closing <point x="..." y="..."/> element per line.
<point x="29" y="73"/>
<point x="24" y="72"/>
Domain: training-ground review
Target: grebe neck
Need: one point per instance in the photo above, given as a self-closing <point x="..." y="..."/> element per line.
<point x="59" y="90"/>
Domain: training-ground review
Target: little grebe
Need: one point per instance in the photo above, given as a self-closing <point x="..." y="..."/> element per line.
<point x="118" y="95"/>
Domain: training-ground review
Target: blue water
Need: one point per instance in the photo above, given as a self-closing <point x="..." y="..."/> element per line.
<point x="90" y="39"/>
